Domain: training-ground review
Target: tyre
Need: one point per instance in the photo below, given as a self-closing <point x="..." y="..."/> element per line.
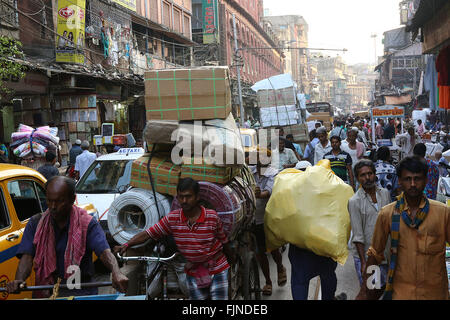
<point x="251" y="289"/>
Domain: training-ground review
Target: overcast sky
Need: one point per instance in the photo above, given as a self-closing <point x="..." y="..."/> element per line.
<point x="343" y="24"/>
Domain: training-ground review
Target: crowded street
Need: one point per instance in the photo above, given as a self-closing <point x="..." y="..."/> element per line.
<point x="224" y="150"/>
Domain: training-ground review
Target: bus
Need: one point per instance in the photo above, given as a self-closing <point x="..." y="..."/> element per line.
<point x="315" y="107"/>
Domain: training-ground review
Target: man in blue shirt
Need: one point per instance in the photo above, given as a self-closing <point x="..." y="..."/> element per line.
<point x="74" y="152"/>
<point x="297" y="147"/>
<point x="68" y="228"/>
<point x="309" y="149"/>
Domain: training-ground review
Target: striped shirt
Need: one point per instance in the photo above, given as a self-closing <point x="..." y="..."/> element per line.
<point x="201" y="242"/>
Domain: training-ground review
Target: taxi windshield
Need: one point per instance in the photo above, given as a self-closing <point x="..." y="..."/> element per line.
<point x="111" y="176"/>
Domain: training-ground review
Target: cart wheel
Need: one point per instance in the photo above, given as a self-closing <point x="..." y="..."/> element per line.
<point x="251" y="289"/>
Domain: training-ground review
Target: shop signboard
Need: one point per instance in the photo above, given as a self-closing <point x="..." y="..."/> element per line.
<point x="388" y="112"/>
<point x="210" y="23"/>
<point x="70" y="31"/>
<point x="129" y="4"/>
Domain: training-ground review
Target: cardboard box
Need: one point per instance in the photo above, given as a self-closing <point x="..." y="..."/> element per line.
<point x="299" y="131"/>
<point x="188" y="94"/>
<point x="164" y="173"/>
<point x="279" y="116"/>
<point x="198" y="170"/>
<point x="274" y="98"/>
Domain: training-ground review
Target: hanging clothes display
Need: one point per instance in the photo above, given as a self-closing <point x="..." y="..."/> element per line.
<point x="430" y="81"/>
<point x="442" y="67"/>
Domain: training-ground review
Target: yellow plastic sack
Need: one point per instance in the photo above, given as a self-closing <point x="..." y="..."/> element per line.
<point x="309" y="209"/>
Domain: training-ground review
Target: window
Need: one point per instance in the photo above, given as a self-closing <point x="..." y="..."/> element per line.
<point x="5" y="221"/>
<point x="26" y="198"/>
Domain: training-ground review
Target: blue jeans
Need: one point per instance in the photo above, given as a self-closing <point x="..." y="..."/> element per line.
<point x="307" y="265"/>
<point x="383" y="268"/>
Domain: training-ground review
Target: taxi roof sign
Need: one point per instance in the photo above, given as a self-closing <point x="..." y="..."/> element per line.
<point x="130" y="150"/>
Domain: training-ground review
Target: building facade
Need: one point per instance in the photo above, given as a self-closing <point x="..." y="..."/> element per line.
<point x="93" y="72"/>
<point x="292" y="31"/>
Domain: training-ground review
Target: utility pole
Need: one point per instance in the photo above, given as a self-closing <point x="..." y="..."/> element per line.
<point x="238" y="71"/>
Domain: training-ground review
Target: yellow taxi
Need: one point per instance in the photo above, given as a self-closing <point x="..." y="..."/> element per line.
<point x="249" y="139"/>
<point x="22" y="195"/>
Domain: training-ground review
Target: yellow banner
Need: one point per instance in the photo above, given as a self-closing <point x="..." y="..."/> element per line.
<point x="70" y="31"/>
<point x="388" y="112"/>
<point x="129" y="4"/>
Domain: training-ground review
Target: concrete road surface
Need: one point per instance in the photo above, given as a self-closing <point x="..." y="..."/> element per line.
<point x="347" y="280"/>
<point x="346" y="276"/>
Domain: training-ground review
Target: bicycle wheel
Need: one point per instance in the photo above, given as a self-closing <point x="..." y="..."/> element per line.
<point x="251" y="289"/>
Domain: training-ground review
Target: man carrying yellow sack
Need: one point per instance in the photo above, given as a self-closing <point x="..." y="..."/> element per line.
<point x="308" y="210"/>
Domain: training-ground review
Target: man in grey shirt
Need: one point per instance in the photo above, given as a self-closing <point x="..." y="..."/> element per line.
<point x="364" y="207"/>
<point x="264" y="177"/>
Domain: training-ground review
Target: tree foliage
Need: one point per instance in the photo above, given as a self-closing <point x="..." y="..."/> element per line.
<point x="9" y="69"/>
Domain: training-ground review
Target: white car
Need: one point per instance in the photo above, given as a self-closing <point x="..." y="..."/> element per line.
<point x="107" y="178"/>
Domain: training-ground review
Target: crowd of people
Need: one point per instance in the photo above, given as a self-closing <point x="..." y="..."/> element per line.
<point x="383" y="188"/>
<point x="396" y="223"/>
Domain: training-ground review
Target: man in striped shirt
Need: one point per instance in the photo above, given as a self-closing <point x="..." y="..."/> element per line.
<point x="200" y="238"/>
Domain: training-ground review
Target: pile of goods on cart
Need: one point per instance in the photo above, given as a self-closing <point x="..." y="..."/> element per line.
<point x="280" y="105"/>
<point x="31" y="144"/>
<point x="190" y="132"/>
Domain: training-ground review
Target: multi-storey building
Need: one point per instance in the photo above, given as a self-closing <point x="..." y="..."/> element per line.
<point x="83" y="74"/>
<point x="292" y="31"/>
<point x="259" y="55"/>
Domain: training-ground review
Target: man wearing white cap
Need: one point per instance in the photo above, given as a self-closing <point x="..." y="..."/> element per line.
<point x="74" y="152"/>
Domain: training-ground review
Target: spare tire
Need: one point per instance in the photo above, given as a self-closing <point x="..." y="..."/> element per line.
<point x="133" y="212"/>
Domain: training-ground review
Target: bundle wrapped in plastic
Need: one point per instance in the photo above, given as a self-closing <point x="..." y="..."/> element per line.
<point x="309" y="209"/>
<point x="42" y="139"/>
<point x="44" y="133"/>
<point x="25" y="149"/>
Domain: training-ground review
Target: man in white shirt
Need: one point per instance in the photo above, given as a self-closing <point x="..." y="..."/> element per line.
<point x="284" y="158"/>
<point x="324" y="145"/>
<point x="407" y="141"/>
<point x="84" y="160"/>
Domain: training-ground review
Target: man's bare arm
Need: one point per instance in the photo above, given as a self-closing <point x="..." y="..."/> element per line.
<point x="22" y="273"/>
<point x="119" y="280"/>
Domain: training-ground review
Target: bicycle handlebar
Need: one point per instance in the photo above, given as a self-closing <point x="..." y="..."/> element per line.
<point x="148" y="258"/>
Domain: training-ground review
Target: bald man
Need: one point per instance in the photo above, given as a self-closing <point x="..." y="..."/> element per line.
<point x="62" y="240"/>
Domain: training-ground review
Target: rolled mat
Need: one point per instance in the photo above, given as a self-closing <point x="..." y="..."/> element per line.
<point x="225" y="201"/>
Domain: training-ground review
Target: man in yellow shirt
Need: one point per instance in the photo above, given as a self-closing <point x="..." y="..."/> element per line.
<point x="419" y="229"/>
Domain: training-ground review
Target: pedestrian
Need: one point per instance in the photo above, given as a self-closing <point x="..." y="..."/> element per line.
<point x="62" y="237"/>
<point x="324" y="145"/>
<point x="363" y="208"/>
<point x="4" y="155"/>
<point x="310" y="147"/>
<point x="284" y="158"/>
<point x="389" y="130"/>
<point x="419" y="229"/>
<point x="420" y="128"/>
<point x="48" y="169"/>
<point x="407" y="141"/>
<point x="340" y="161"/>
<point x="264" y="177"/>
<point x="306" y="265"/>
<point x="84" y="160"/>
<point x="199" y="235"/>
<point x="386" y="172"/>
<point x="379" y="129"/>
<point x="442" y="164"/>
<point x="353" y="147"/>
<point x="433" y="171"/>
<point x="298" y="148"/>
<point x="74" y="152"/>
<point x="338" y="130"/>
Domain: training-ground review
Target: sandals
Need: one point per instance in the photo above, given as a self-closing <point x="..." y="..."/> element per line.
<point x="267" y="290"/>
<point x="282" y="277"/>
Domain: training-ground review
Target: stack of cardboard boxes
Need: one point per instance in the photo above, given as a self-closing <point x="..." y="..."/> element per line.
<point x="190" y="130"/>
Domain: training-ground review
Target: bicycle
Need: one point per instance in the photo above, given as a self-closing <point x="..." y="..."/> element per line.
<point x="151" y="271"/>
